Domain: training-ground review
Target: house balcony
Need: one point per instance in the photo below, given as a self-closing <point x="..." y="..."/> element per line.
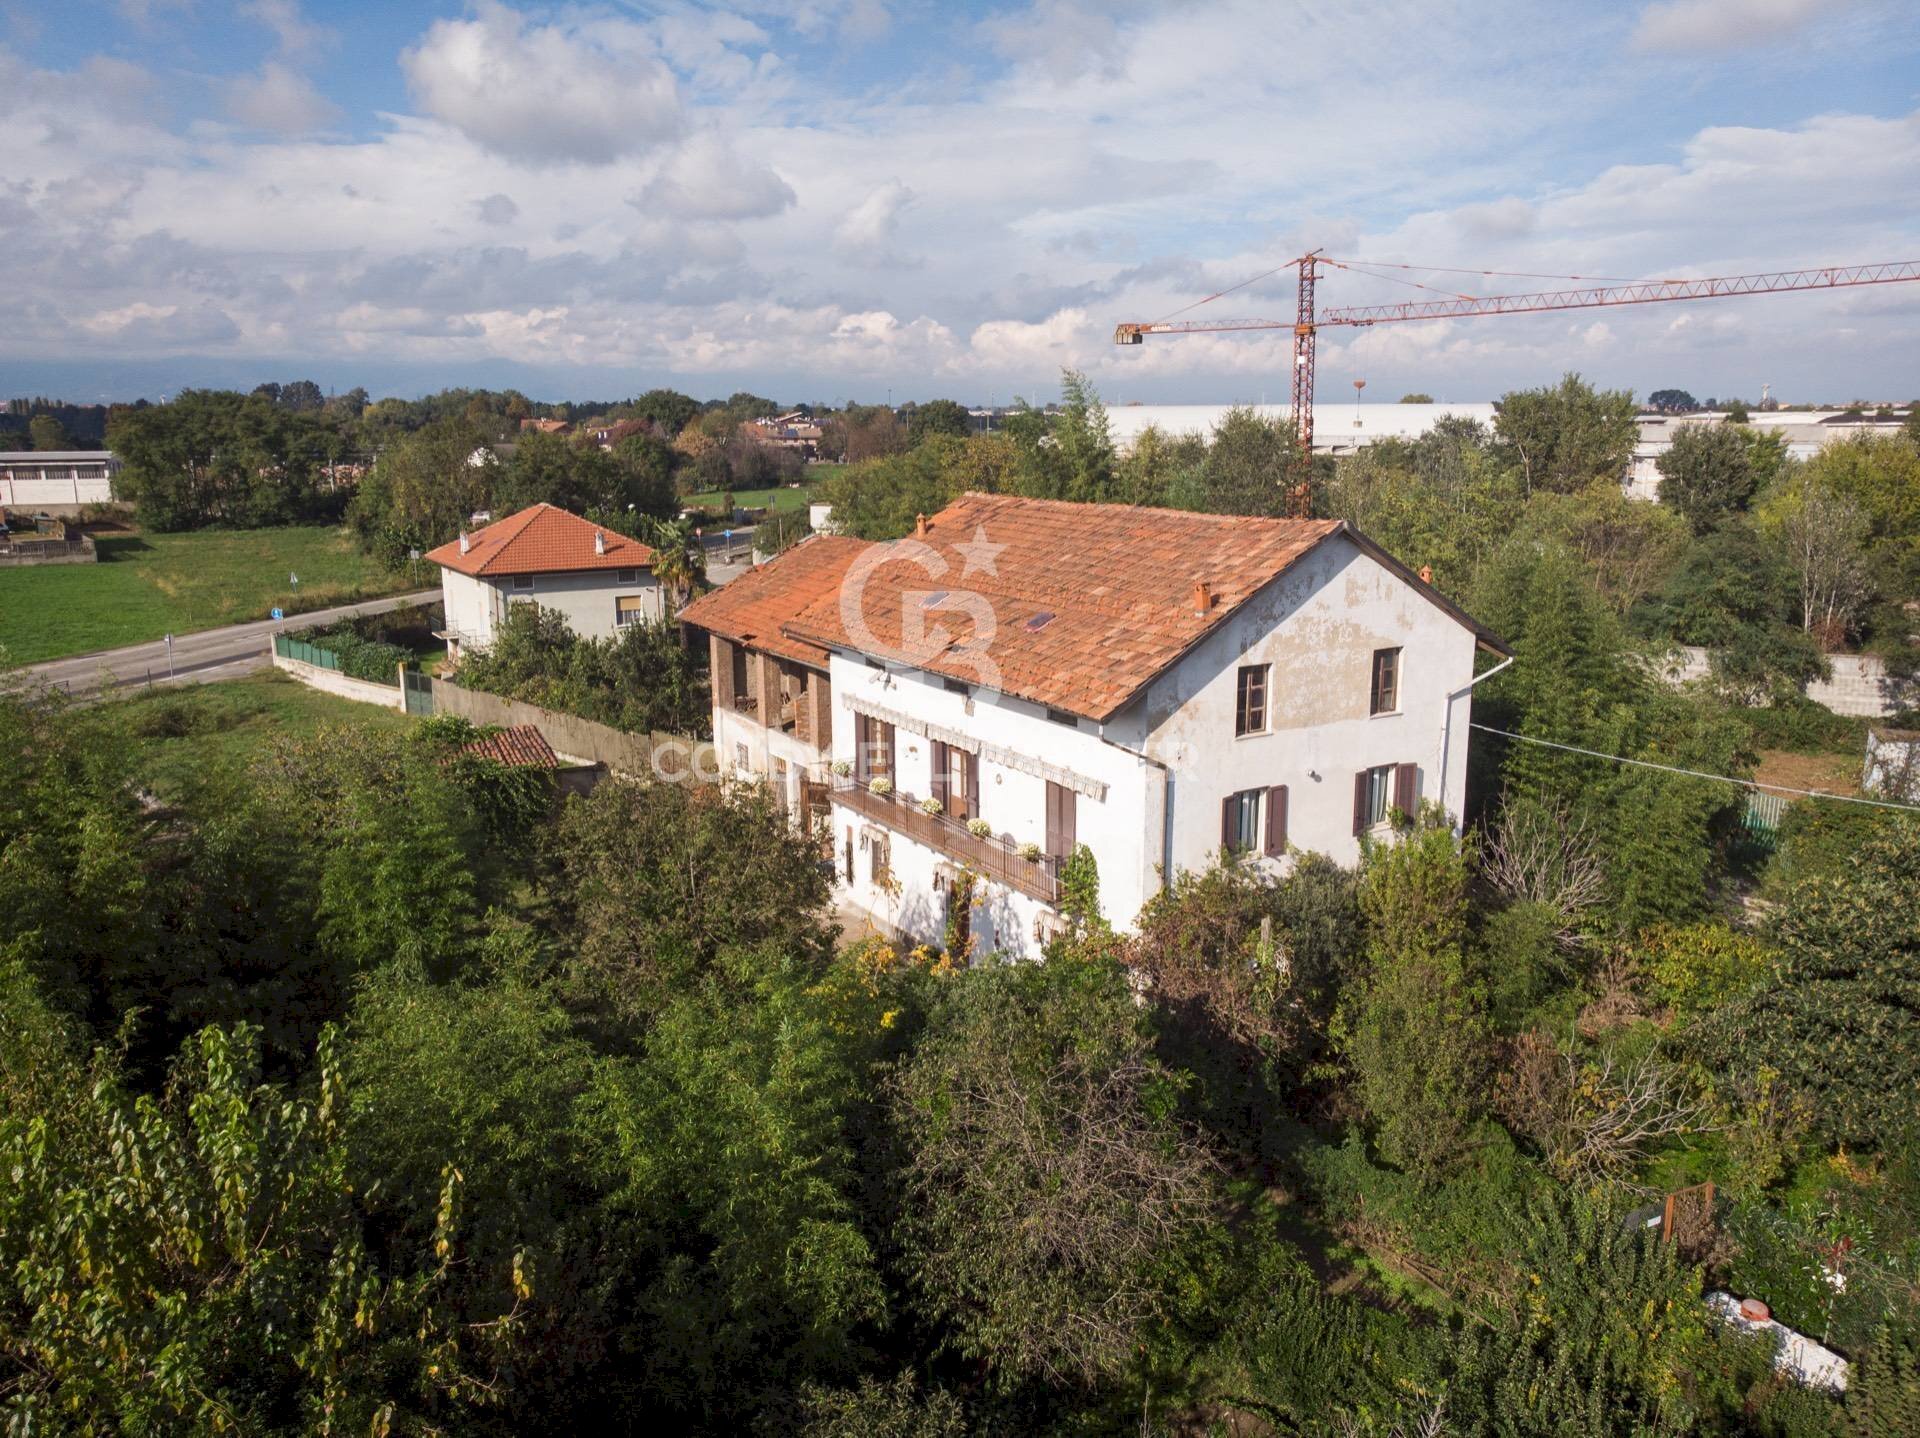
<point x="993" y="858"/>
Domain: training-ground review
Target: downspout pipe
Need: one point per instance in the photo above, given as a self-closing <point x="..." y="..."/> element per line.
<point x="1446" y="729"/>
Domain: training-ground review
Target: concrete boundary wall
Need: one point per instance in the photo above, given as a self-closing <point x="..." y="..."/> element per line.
<point x="1860" y="685"/>
<point x="331" y="681"/>
<point x="583" y="741"/>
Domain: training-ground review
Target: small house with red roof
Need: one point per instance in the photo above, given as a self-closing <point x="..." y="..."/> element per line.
<point x="597" y="580"/>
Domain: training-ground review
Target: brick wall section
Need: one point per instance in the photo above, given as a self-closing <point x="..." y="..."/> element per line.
<point x="766" y="682"/>
<point x="720" y="666"/>
<point x="1860" y="685"/>
<point x="817" y="711"/>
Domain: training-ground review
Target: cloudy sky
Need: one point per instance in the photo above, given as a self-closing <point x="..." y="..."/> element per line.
<point x="832" y="199"/>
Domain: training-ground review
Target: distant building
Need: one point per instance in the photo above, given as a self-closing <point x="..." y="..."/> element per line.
<point x="58" y="481"/>
<point x="1805" y="431"/>
<point x="606" y="436"/>
<point x="598" y="581"/>
<point x="544" y="426"/>
<point x="1337" y="428"/>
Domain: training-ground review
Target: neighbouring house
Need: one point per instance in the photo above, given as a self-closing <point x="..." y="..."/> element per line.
<point x="518" y="746"/>
<point x="606" y="436"/>
<point x="772" y="696"/>
<point x="597" y="580"/>
<point x="544" y="426"/>
<point x="1023" y="677"/>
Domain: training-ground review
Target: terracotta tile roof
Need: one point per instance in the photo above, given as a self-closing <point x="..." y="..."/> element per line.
<point x="519" y="745"/>
<point x="1087" y="602"/>
<point x="752" y="609"/>
<point x="541" y="540"/>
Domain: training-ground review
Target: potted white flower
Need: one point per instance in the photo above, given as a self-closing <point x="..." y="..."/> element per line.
<point x="1030" y="852"/>
<point x="881" y="787"/>
<point x="931" y="805"/>
<point x="979" y="828"/>
<point x="842" y="767"/>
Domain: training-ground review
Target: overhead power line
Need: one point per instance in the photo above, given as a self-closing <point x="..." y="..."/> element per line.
<point x="1697" y="774"/>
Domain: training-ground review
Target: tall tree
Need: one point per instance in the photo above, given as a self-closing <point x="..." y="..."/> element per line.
<point x="48" y="433"/>
<point x="1707" y="475"/>
<point x="1567" y="436"/>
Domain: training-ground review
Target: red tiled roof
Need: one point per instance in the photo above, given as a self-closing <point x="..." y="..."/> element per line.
<point x="519" y="745"/>
<point x="752" y="609"/>
<point x="1088" y="602"/>
<point x="541" y="540"/>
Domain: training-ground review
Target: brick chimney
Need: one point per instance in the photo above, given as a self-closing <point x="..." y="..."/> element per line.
<point x="464" y="541"/>
<point x="1426" y="574"/>
<point x="920" y="524"/>
<point x="1202" y="596"/>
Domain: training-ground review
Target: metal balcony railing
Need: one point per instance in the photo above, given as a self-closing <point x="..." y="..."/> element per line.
<point x="993" y="857"/>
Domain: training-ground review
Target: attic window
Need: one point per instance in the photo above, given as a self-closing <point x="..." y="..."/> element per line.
<point x="1038" y="621"/>
<point x="933" y="599"/>
<point x="629" y="576"/>
<point x="1060" y="716"/>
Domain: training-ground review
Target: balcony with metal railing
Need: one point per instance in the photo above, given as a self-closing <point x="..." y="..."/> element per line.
<point x="993" y="857"/>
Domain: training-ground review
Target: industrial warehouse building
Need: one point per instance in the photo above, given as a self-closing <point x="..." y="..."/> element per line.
<point x="56" y="481"/>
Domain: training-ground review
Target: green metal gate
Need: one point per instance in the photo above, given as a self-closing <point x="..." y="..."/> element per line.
<point x="418" y="689"/>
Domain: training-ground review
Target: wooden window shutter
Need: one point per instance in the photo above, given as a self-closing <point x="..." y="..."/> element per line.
<point x="862" y="761"/>
<point x="1277" y="820"/>
<point x="1226" y="822"/>
<point x="939" y="760"/>
<point x="1360" y="803"/>
<point x="970" y="769"/>
<point x="1406" y="779"/>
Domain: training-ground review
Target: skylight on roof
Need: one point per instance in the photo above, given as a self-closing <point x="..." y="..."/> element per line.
<point x="933" y="599"/>
<point x="1038" y="622"/>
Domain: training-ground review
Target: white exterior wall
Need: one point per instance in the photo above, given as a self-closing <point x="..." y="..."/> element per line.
<point x="1317" y="626"/>
<point x="734" y="732"/>
<point x="29" y="483"/>
<point x="585" y="600"/>
<point x="1121" y="830"/>
<point x="471" y="606"/>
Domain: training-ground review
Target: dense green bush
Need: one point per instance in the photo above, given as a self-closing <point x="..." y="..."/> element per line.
<point x="646" y="680"/>
<point x="1837" y="1018"/>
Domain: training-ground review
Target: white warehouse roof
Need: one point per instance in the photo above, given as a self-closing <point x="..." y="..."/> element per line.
<point x="1336" y="427"/>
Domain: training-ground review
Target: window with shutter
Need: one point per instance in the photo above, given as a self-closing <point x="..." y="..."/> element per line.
<point x="1406" y="788"/>
<point x="1062" y="833"/>
<point x="1250" y="706"/>
<point x="1373" y="795"/>
<point x="1240" y="821"/>
<point x="939" y="763"/>
<point x="1277" y="820"/>
<point x="1385" y="695"/>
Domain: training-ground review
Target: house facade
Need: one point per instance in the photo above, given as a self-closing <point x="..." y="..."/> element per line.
<point x="1022" y="678"/>
<point x="773" y="693"/>
<point x="56" y="482"/>
<point x="598" y="581"/>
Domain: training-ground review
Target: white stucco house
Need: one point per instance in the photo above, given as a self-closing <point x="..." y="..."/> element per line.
<point x="772" y="694"/>
<point x="597" y="580"/>
<point x="1024" y="676"/>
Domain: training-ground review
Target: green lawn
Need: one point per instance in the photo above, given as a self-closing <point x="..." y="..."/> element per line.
<point x="148" y="585"/>
<point x="778" y="499"/>
<point x="203" y="733"/>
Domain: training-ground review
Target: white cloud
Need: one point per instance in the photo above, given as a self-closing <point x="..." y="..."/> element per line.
<point x="278" y="98"/>
<point x="866" y="232"/>
<point x="589" y="89"/>
<point x="293" y="32"/>
<point x="706" y="179"/>
<point x="1725" y="24"/>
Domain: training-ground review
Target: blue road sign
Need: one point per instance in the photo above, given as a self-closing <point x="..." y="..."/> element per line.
<point x="278" y="615"/>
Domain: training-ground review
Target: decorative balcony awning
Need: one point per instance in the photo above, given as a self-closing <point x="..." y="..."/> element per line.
<point x="1094" y="789"/>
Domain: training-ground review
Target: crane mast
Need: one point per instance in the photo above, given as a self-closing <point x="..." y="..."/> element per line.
<point x="1306" y="323"/>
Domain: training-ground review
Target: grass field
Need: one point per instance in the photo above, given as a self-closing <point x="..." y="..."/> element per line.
<point x="205" y="733"/>
<point x="148" y="585"/>
<point x="775" y="499"/>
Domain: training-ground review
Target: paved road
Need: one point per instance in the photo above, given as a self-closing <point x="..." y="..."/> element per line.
<point x="210" y="654"/>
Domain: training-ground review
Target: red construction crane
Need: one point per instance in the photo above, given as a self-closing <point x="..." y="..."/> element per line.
<point x="1306" y="323"/>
